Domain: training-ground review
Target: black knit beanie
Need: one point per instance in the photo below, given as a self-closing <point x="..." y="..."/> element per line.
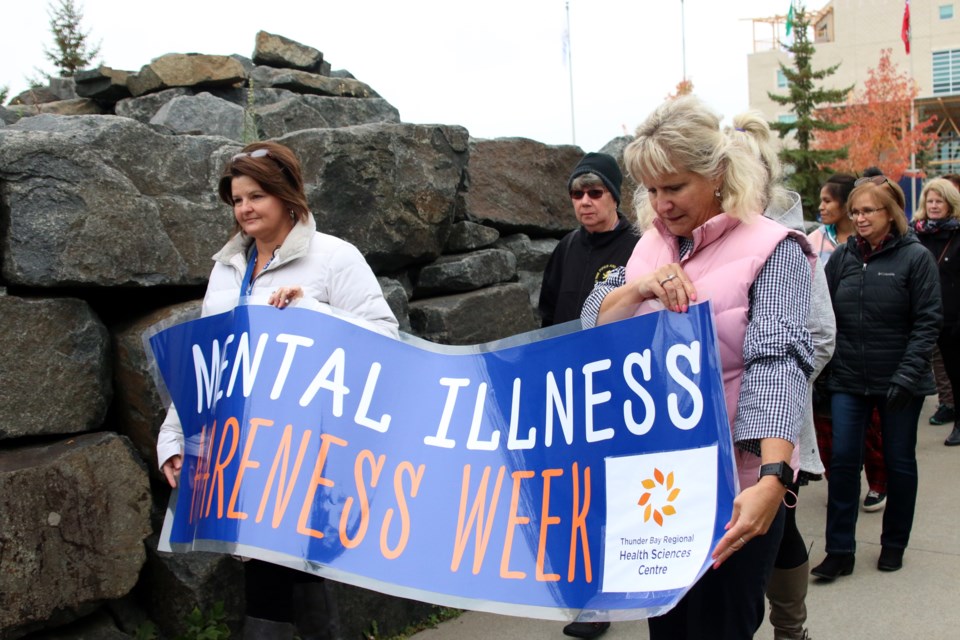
<point x="604" y="167"/>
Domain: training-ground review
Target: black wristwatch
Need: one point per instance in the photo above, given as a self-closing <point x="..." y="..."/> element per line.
<point x="782" y="470"/>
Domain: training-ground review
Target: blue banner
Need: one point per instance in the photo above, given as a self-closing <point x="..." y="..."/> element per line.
<point x="587" y="474"/>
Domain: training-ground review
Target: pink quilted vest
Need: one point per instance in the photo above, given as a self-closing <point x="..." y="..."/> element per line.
<point x="726" y="258"/>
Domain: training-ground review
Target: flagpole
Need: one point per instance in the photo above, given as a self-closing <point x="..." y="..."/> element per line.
<point x="683" y="40"/>
<point x="573" y="125"/>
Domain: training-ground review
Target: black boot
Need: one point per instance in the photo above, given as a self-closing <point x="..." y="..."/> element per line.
<point x="954" y="438"/>
<point x="834" y="566"/>
<point x="890" y="559"/>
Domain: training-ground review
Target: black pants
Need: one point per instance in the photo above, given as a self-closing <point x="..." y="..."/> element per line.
<point x="727" y="603"/>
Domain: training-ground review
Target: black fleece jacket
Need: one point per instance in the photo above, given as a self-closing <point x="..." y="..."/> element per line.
<point x="581" y="260"/>
<point x="888" y="317"/>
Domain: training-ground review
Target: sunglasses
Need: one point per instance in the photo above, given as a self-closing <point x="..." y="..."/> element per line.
<point x="877" y="180"/>
<point x="256" y="153"/>
<point x="595" y="194"/>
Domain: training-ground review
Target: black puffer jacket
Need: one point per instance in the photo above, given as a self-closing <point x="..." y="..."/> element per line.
<point x="888" y="317"/>
<point x="946" y="246"/>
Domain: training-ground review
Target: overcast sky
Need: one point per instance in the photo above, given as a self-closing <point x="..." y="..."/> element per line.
<point x="493" y="66"/>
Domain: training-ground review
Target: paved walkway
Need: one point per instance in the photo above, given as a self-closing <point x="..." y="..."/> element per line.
<point x="921" y="601"/>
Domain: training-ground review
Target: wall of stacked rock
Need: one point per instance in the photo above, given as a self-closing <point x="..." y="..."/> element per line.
<point x="108" y="219"/>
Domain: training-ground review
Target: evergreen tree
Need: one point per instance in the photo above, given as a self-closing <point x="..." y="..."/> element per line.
<point x="805" y="98"/>
<point x="72" y="51"/>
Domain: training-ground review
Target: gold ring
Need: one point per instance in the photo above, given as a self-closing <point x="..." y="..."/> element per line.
<point x="742" y="541"/>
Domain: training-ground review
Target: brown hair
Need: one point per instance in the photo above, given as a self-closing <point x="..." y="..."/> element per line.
<point x="277" y="173"/>
<point x="890" y="196"/>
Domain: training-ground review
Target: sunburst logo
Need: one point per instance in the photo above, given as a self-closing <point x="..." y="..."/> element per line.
<point x="662" y="486"/>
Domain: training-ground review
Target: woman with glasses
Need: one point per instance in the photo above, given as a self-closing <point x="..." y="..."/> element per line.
<point x="836" y="229"/>
<point x="277" y="257"/>
<point x="937" y="224"/>
<point x="886" y="300"/>
<point x="701" y="202"/>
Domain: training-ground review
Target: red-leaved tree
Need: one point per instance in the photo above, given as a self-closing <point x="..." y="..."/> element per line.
<point x="877" y="124"/>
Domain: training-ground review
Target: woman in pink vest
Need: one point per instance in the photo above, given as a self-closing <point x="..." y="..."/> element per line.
<point x="700" y="204"/>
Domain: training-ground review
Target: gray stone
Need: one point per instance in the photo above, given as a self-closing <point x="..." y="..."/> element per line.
<point x="519" y="185"/>
<point x="145" y="107"/>
<point x="34" y="95"/>
<point x="55" y="367"/>
<point x="138" y="407"/>
<point x="531" y="281"/>
<point x="103" y="84"/>
<point x="305" y="82"/>
<point x="398" y="299"/>
<point x="532" y="255"/>
<point x="311" y="112"/>
<point x="75" y="107"/>
<point x="186" y="70"/>
<point x="73" y="517"/>
<point x="466" y="272"/>
<point x="97" y="626"/>
<point x="7" y="116"/>
<point x="390" y="189"/>
<point x="107" y="201"/>
<point x="467" y="236"/>
<point x="475" y="317"/>
<point x="341" y="73"/>
<point x="277" y="51"/>
<point x="64" y="88"/>
<point x="615" y="148"/>
<point x="192" y="580"/>
<point x="202" y="114"/>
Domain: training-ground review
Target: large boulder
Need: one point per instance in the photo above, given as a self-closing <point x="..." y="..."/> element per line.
<point x="143" y="108"/>
<point x="55" y="368"/>
<point x="312" y="112"/>
<point x="466" y="272"/>
<point x="519" y="185"/>
<point x="138" y="407"/>
<point x="202" y="114"/>
<point x="475" y="317"/>
<point x="277" y="51"/>
<point x="191" y="580"/>
<point x="186" y="70"/>
<point x="305" y="82"/>
<point x="102" y="84"/>
<point x="390" y="189"/>
<point x="467" y="236"/>
<point x="107" y="201"/>
<point x="73" y="517"/>
<point x="74" y="107"/>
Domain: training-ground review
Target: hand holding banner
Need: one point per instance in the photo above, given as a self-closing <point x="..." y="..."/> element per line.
<point x="590" y="473"/>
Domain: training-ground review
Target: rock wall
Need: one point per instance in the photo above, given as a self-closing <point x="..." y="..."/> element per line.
<point x="108" y="219"/>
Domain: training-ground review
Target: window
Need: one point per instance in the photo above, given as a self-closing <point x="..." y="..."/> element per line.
<point x="946" y="11"/>
<point x="787" y="118"/>
<point x="946" y="71"/>
<point x="781" y="79"/>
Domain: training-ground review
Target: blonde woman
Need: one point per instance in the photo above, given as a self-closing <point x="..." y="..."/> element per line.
<point x="936" y="224"/>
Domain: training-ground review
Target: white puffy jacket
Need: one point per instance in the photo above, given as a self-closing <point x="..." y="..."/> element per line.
<point x="332" y="273"/>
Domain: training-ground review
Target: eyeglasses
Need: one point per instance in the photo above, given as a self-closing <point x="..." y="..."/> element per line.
<point x="866" y="211"/>
<point x="256" y="153"/>
<point x="595" y="194"/>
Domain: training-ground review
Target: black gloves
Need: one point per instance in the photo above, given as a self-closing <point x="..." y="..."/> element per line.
<point x="898" y="397"/>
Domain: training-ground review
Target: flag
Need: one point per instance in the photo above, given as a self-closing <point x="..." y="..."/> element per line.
<point x="905" y="30"/>
<point x="790" y="19"/>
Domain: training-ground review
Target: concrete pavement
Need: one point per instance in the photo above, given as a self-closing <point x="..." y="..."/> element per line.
<point x="921" y="601"/>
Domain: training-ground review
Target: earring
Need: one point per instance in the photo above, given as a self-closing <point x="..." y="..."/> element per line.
<point x="716" y="193"/>
<point x="293" y="216"/>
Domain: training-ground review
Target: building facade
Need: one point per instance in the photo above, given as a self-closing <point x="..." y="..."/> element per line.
<point x="852" y="33"/>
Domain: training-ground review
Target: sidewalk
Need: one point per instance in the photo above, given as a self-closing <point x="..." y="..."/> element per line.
<point x="922" y="600"/>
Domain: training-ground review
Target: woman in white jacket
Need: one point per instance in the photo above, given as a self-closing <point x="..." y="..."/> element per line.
<point x="277" y="257"/>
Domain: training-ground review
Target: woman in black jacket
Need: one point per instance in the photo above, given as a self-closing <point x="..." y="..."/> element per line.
<point x="886" y="297"/>
<point x="937" y="224"/>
